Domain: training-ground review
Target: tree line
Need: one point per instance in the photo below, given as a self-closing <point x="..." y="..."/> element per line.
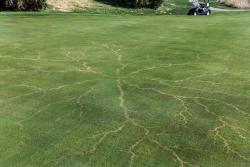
<point x="22" y="5"/>
<point x="36" y="5"/>
<point x="140" y="3"/>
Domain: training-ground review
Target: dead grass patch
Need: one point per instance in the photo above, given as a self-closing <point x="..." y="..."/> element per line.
<point x="68" y="5"/>
<point x="237" y="3"/>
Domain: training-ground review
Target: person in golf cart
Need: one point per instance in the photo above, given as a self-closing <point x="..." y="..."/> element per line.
<point x="199" y="8"/>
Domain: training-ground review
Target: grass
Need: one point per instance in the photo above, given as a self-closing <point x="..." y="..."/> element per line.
<point x="215" y="3"/>
<point x="139" y="91"/>
<point x="170" y="7"/>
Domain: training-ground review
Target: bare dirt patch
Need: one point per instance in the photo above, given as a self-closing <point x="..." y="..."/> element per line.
<point x="237" y="3"/>
<point x="68" y="5"/>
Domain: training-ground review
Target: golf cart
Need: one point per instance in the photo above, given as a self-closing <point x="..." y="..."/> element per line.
<point x="200" y="8"/>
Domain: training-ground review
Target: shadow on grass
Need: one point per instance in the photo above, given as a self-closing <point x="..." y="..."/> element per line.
<point x="132" y="4"/>
<point x="110" y="2"/>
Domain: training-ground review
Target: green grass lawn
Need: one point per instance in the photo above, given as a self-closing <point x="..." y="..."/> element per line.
<point x="124" y="91"/>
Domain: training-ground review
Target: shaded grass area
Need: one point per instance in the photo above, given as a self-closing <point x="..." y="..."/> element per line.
<point x="109" y="7"/>
<point x="215" y="3"/>
<point x="124" y="91"/>
<point x="169" y="7"/>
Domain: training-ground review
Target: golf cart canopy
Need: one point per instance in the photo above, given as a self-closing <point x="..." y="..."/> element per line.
<point x="197" y="3"/>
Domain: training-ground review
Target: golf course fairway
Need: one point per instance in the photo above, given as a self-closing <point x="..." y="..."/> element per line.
<point x="124" y="91"/>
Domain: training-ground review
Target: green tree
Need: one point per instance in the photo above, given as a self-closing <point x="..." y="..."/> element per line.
<point x="22" y="5"/>
<point x="141" y="3"/>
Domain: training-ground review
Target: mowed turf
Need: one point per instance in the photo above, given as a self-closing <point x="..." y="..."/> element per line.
<point x="124" y="91"/>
